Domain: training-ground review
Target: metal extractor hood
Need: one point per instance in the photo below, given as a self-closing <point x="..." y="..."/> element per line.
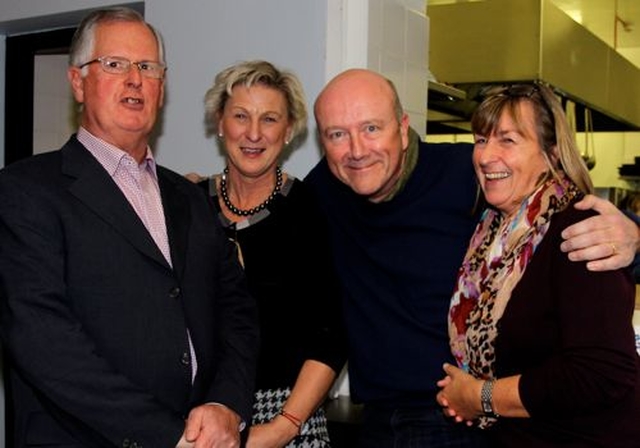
<point x="476" y="43"/>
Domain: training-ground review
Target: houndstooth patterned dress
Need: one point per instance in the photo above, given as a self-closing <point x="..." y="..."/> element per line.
<point x="313" y="433"/>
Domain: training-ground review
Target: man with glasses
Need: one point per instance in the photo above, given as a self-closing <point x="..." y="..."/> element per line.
<point x="124" y="314"/>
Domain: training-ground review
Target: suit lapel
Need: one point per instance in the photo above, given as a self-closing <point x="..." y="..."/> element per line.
<point x="95" y="188"/>
<point x="177" y="217"/>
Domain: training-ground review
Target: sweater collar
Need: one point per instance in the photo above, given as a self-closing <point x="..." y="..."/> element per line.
<point x="411" y="159"/>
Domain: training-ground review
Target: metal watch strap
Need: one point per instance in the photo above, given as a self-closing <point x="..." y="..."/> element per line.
<point x="486" y="398"/>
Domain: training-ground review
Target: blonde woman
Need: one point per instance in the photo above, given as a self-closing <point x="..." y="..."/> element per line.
<point x="257" y="110"/>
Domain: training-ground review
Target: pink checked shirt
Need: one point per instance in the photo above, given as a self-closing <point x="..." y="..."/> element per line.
<point x="139" y="184"/>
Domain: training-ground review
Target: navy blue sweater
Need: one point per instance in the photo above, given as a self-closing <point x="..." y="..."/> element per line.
<point x="398" y="262"/>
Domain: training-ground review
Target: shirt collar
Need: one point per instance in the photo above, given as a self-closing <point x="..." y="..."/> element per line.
<point x="110" y="156"/>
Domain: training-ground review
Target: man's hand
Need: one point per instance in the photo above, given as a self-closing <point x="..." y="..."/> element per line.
<point x="212" y="426"/>
<point x="194" y="177"/>
<point x="607" y="241"/>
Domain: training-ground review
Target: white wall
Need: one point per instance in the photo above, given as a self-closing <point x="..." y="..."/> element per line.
<point x="54" y="109"/>
<point x="321" y="39"/>
<point x="289" y="33"/>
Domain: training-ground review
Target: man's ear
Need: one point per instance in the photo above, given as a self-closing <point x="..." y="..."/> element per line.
<point x="161" y="97"/>
<point x="74" y="75"/>
<point x="404" y="130"/>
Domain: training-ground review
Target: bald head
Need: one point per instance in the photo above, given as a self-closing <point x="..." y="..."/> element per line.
<point x="363" y="131"/>
<point x="358" y="84"/>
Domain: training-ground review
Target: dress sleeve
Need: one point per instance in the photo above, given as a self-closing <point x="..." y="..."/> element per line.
<point x="595" y="364"/>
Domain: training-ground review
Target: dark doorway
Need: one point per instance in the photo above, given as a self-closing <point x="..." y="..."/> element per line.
<point x="20" y="55"/>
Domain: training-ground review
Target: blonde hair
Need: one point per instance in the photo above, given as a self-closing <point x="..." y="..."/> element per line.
<point x="250" y="73"/>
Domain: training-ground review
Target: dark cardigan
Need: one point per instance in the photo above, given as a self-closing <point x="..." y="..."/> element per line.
<point x="568" y="331"/>
<point x="290" y="272"/>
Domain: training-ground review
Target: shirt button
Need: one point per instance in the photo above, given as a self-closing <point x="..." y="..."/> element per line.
<point x="185" y="359"/>
<point x="174" y="293"/>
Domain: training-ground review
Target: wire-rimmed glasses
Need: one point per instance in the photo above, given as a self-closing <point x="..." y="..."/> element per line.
<point x="117" y="65"/>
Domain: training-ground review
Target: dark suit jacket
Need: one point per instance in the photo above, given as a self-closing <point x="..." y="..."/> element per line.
<point x="94" y="320"/>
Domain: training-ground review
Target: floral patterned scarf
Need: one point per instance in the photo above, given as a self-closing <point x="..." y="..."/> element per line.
<point x="496" y="259"/>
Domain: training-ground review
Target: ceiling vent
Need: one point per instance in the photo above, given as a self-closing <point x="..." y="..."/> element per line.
<point x="476" y="43"/>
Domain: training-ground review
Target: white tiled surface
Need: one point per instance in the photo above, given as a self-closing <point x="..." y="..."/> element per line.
<point x="398" y="48"/>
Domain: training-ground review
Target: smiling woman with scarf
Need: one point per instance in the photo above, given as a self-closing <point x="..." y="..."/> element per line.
<point x="545" y="348"/>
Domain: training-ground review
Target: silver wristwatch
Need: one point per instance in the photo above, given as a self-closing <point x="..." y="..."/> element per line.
<point x="486" y="398"/>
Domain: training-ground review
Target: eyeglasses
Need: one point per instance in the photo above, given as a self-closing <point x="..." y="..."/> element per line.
<point x="512" y="91"/>
<point x="116" y="65"/>
<point x="537" y="93"/>
<point x="519" y="90"/>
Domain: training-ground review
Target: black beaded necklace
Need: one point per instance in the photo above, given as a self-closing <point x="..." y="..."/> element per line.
<point x="252" y="211"/>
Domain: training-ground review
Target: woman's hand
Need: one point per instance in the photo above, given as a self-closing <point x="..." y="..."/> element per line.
<point x="275" y="434"/>
<point x="459" y="395"/>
